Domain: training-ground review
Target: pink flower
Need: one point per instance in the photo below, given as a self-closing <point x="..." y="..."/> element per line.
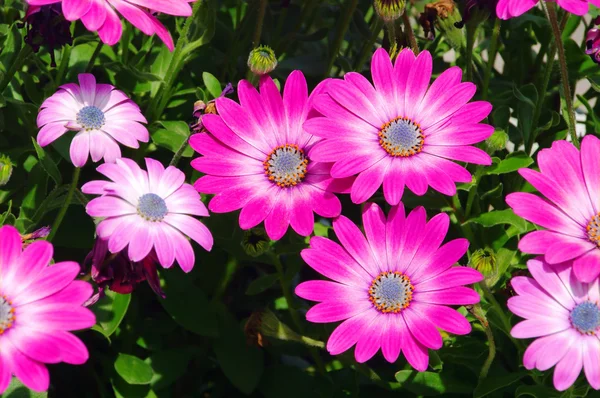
<point x="392" y="289"/>
<point x="570" y="181"/>
<point x="148" y="209"/>
<point x="507" y="9"/>
<point x="564" y="314"/>
<point x="101" y="15"/>
<point x="100" y="116"/>
<point x="402" y="131"/>
<point x="39" y="305"/>
<point x="255" y="158"/>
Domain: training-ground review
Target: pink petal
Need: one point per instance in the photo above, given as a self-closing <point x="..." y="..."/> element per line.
<point x="328" y="291"/>
<point x="568" y="368"/>
<point x="374" y="225"/>
<point x="334" y="311"/>
<point x="368" y="344"/>
<point x="349" y="331"/>
<point x="587" y="267"/>
<point x="445" y="318"/>
<point x="452" y="296"/>
<point x="191" y="227"/>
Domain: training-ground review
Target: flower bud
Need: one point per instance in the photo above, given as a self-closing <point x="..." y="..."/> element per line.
<point x="255" y="242"/>
<point x="496" y="141"/>
<point x="262" y="60"/>
<point x="484" y="261"/>
<point x="389" y="10"/>
<point x="6" y="168"/>
<point x="265" y="323"/>
<point x="445" y="16"/>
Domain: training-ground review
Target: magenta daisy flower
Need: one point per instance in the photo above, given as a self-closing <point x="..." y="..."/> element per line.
<point x="507" y="9"/>
<point x="98" y="114"/>
<point x="101" y="16"/>
<point x="570" y="211"/>
<point x="564" y="314"/>
<point x="39" y="305"/>
<point x="392" y="289"/>
<point x="255" y="158"/>
<point x="402" y="131"/>
<point x="148" y="209"/>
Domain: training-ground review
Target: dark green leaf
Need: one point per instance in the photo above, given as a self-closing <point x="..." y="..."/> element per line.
<point x="498" y="217"/>
<point x="47" y="163"/>
<point x="513" y="162"/>
<point x="261" y="284"/>
<point x="493" y="383"/>
<point x="133" y="370"/>
<point x="110" y="311"/>
<point x="430" y="383"/>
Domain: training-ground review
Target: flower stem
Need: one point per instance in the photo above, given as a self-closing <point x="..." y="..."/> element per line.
<point x="478" y="313"/>
<point x="63" y="210"/>
<point x="179" y="152"/>
<point x="293" y="312"/>
<point x="64" y="63"/>
<point x="342" y="27"/>
<point x="260" y="17"/>
<point x="473" y="190"/>
<point x="492" y="58"/>
<point x="564" y="72"/>
<point x="95" y="54"/>
<point x="410" y="33"/>
<point x="391" y="31"/>
<point x="376" y="27"/>
<point x="471" y="30"/>
<point x="16" y="65"/>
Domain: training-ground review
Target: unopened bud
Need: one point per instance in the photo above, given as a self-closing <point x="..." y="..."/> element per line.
<point x="389" y="10"/>
<point x="496" y="141"/>
<point x="265" y="323"/>
<point x="262" y="60"/>
<point x="484" y="261"/>
<point x="255" y="242"/>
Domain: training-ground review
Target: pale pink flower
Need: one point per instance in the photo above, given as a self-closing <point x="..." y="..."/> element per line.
<point x="39" y="305"/>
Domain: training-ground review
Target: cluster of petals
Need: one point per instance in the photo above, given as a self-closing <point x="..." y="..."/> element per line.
<point x="144" y="210"/>
<point x="101" y="16"/>
<point x="100" y="116"/>
<point x="255" y="159"/>
<point x="562" y="313"/>
<point x="40" y="304"/>
<point x="569" y="210"/>
<point x="391" y="288"/>
<point x="400" y="131"/>
<point x="507" y="9"/>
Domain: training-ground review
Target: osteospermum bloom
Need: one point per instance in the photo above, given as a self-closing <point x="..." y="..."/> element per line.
<point x="402" y="131"/>
<point x="507" y="9"/>
<point x="392" y="289"/>
<point x="255" y="158"/>
<point x="150" y="209"/>
<point x="39" y="305"/>
<point x="570" y="212"/>
<point x="563" y="314"/>
<point x="101" y="16"/>
<point x="100" y="116"/>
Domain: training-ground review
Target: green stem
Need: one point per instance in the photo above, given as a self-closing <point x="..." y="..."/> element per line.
<point x="342" y="27"/>
<point x="15" y="67"/>
<point x="260" y="17"/>
<point x="408" y="30"/>
<point x="125" y="41"/>
<point x="63" y="210"/>
<point x="564" y="72"/>
<point x="160" y="100"/>
<point x="293" y="312"/>
<point x="391" y="32"/>
<point x="95" y="54"/>
<point x="179" y="152"/>
<point x="479" y="314"/>
<point x="469" y="51"/>
<point x="473" y="191"/>
<point x="64" y="63"/>
<point x="492" y="58"/>
<point x="366" y="50"/>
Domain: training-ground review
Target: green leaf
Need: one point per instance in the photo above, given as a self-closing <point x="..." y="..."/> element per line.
<point x="168" y="366"/>
<point x="47" y="163"/>
<point x="493" y="383"/>
<point x="133" y="370"/>
<point x="511" y="163"/>
<point x="110" y="311"/>
<point x="242" y="363"/>
<point x="212" y="84"/>
<point x="498" y="217"/>
<point x="173" y="136"/>
<point x="538" y="391"/>
<point x="261" y="284"/>
<point x="16" y="389"/>
<point x="430" y="383"/>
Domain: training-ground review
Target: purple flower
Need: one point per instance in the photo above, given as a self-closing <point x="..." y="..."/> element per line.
<point x="592" y="43"/>
<point x="47" y="27"/>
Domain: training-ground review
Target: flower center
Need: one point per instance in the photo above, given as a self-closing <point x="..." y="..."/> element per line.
<point x="585" y="317"/>
<point x="7" y="314"/>
<point x="91" y="118"/>
<point x="152" y="207"/>
<point x="401" y="137"/>
<point x="391" y="292"/>
<point x="286" y="165"/>
<point x="593" y="229"/>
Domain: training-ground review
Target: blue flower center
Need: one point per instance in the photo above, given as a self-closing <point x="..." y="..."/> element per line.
<point x="152" y="207"/>
<point x="401" y="137"/>
<point x="286" y="165"/>
<point x="7" y="314"/>
<point x="91" y="118"/>
<point x="585" y="317"/>
<point x="391" y="292"/>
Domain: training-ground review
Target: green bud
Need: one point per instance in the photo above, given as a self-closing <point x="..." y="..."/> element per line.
<point x="444" y="16"/>
<point x="255" y="242"/>
<point x="496" y="141"/>
<point x="262" y="60"/>
<point x="389" y="10"/>
<point x="265" y="323"/>
<point x="484" y="261"/>
<point x="6" y="168"/>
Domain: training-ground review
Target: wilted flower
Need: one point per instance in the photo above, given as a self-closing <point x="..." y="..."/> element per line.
<point x="477" y="11"/>
<point x="46" y="26"/>
<point x="37" y="234"/>
<point x="200" y="109"/>
<point x="445" y="16"/>
<point x="389" y="10"/>
<point x="262" y="60"/>
<point x="6" y="168"/>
